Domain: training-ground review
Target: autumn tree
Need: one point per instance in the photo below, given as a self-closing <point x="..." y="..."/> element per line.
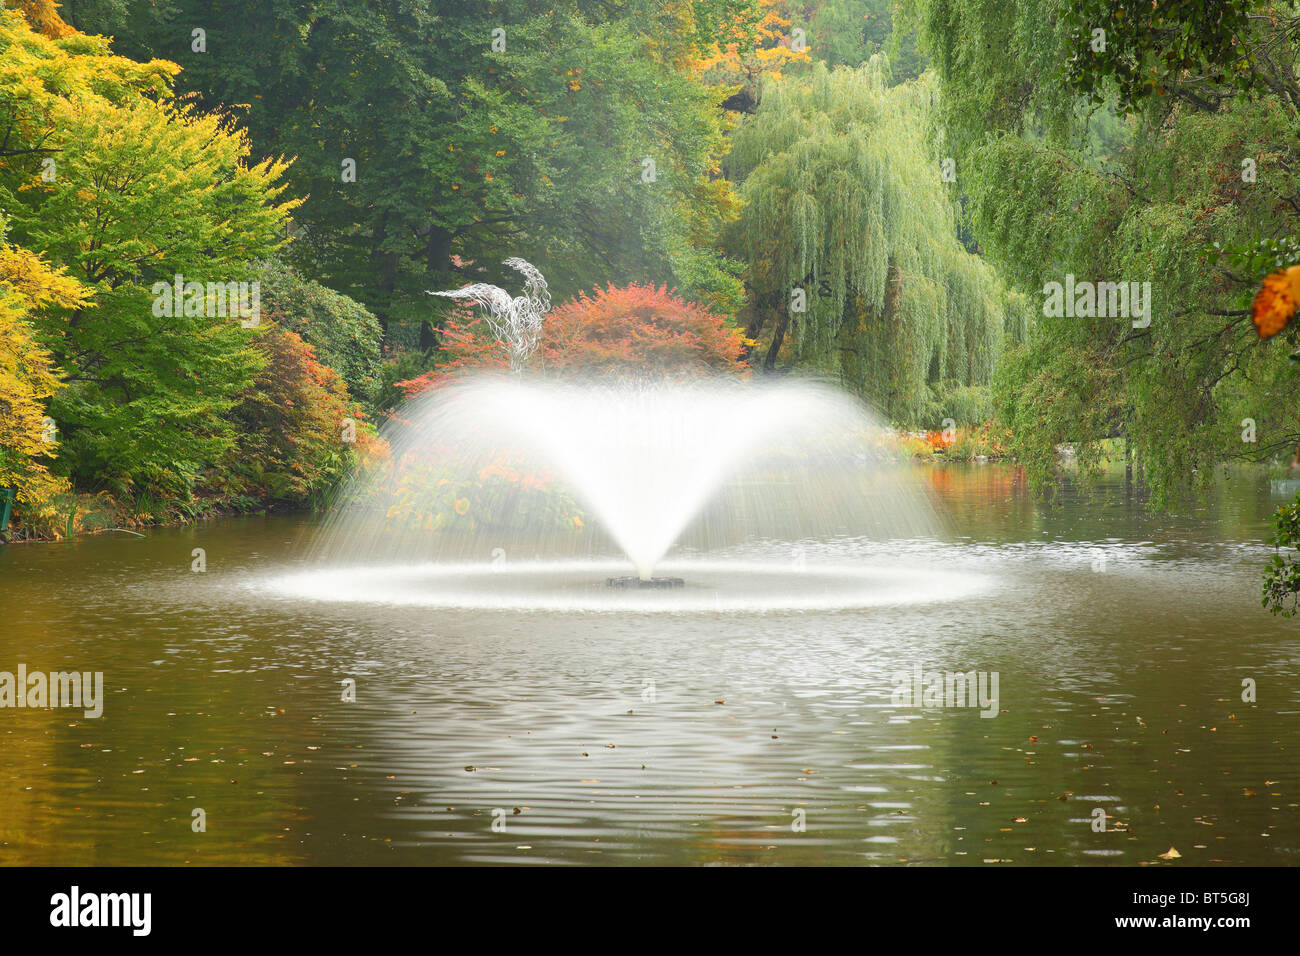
<point x="632" y="330"/>
<point x="108" y="175"/>
<point x="639" y="328"/>
<point x="300" y="431"/>
<point x="28" y="376"/>
<point x="343" y="333"/>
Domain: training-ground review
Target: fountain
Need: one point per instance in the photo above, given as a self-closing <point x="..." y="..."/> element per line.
<point x="518" y="490"/>
<point x="526" y="492"/>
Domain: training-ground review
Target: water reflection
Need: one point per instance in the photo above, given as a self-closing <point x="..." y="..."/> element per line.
<point x="668" y="738"/>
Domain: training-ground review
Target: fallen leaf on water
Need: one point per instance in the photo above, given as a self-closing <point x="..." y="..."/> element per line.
<point x="1171" y="855"/>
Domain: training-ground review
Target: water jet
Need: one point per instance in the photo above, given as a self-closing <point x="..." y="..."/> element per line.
<point x="584" y="476"/>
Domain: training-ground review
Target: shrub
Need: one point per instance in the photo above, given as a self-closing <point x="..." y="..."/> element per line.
<point x="292" y="423"/>
<point x="637" y="328"/>
<point x="344" y="333"/>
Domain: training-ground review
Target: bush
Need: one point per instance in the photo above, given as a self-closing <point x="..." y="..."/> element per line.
<point x="967" y="405"/>
<point x="344" y="333"/>
<point x="636" y="329"/>
<point x="294" y="423"/>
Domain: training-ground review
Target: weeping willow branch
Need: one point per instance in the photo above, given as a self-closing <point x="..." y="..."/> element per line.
<point x="850" y="233"/>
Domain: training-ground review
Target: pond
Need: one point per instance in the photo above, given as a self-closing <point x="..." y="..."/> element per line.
<point x="1126" y="648"/>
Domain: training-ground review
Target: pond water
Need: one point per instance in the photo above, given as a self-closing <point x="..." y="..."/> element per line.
<point x="742" y="732"/>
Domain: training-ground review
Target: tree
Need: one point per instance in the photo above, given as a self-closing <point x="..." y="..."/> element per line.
<point x="425" y="132"/>
<point x="1189" y="50"/>
<point x="28" y="376"/>
<point x="744" y="62"/>
<point x="637" y="329"/>
<point x="342" y="332"/>
<point x="130" y="191"/>
<point x="851" y="243"/>
<point x="849" y="32"/>
<point x="1191" y="175"/>
<point x="301" y="432"/>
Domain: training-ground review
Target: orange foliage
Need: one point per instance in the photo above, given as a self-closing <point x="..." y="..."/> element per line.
<point x="302" y="432"/>
<point x="937" y="441"/>
<point x="43" y="17"/>
<point x="1276" y="301"/>
<point x="770" y="54"/>
<point x="637" y="328"/>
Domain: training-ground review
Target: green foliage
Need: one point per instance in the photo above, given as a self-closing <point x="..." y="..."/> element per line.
<point x="465" y="154"/>
<point x="401" y="367"/>
<point x="1056" y="185"/>
<point x="143" y="189"/>
<point x="1184" y="48"/>
<point x="343" y="333"/>
<point x="964" y="404"/>
<point x="849" y="32"/>
<point x="844" y="201"/>
<point x="1281" y="592"/>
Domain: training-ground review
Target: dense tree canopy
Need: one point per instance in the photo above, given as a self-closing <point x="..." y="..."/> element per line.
<point x="430" y="133"/>
<point x="851" y="240"/>
<point x="127" y="190"/>
<point x="1176" y="193"/>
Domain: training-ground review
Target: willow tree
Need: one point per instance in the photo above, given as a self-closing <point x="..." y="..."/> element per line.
<point x="1197" y="163"/>
<point x="849" y="233"/>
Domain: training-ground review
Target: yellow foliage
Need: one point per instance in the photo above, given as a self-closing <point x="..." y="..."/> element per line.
<point x="43" y="15"/>
<point x="27" y="378"/>
<point x="28" y="276"/>
<point x="769" y="56"/>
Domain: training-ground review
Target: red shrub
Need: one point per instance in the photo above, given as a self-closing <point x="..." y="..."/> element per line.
<point x="638" y="328"/>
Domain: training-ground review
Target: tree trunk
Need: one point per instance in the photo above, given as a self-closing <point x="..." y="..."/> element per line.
<point x="778" y="336"/>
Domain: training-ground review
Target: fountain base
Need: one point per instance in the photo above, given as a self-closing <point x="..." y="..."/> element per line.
<point x="632" y="581"/>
